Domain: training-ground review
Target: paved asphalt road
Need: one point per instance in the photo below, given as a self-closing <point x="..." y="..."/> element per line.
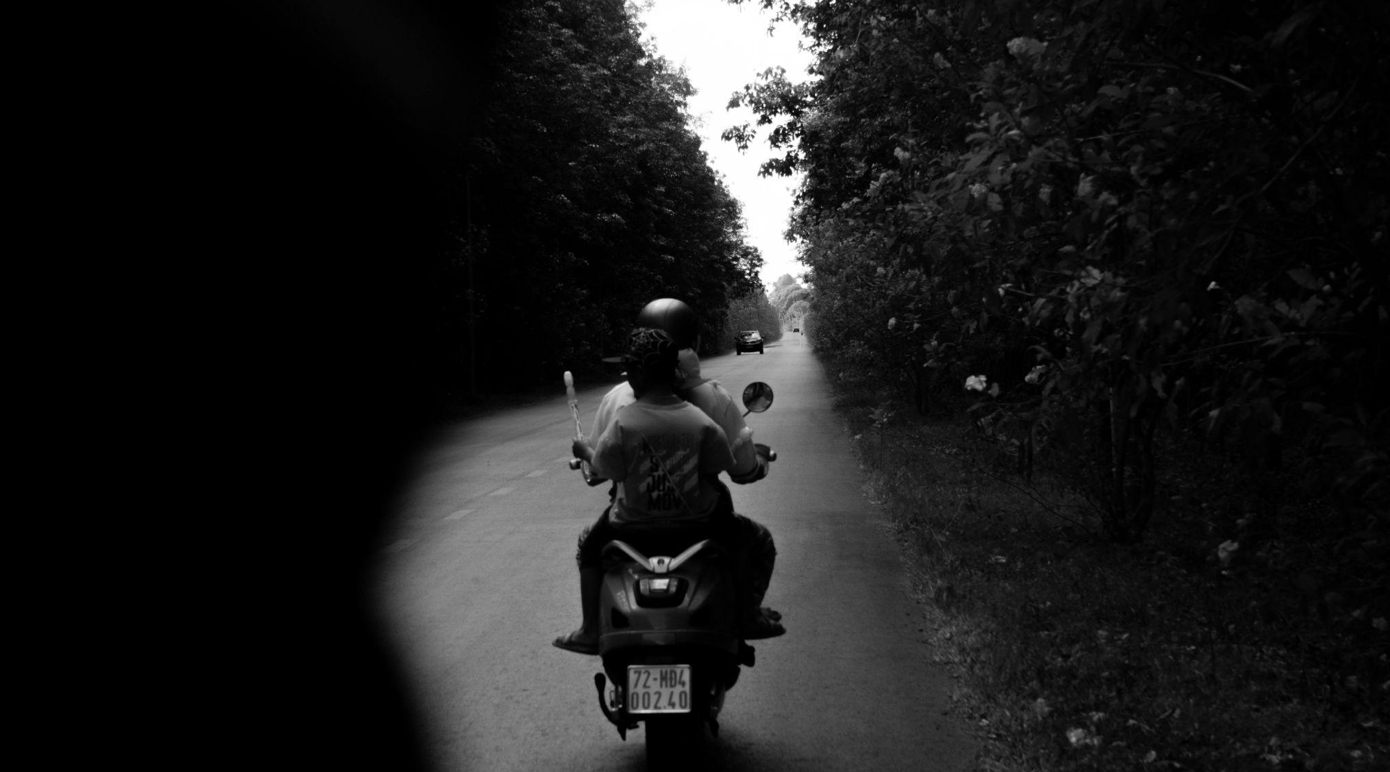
<point x="478" y="577"/>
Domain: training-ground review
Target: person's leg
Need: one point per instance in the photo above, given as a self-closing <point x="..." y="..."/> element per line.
<point x="756" y="555"/>
<point x="589" y="556"/>
<point x="588" y="550"/>
<point x="753" y="557"/>
<point x="762" y="556"/>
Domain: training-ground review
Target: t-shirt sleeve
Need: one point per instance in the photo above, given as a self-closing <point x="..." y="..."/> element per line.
<point x="608" y="409"/>
<point x="746" y="457"/>
<point x="608" y="454"/>
<point x="715" y="455"/>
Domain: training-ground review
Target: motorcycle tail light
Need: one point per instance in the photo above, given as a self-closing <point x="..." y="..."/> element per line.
<point x="660" y="591"/>
<point x="656" y="587"/>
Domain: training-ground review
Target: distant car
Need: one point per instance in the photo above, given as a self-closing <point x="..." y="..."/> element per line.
<point x="748" y="340"/>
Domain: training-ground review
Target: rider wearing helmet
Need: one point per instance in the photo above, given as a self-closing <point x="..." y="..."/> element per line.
<point x="754" y="542"/>
<point x="679" y="321"/>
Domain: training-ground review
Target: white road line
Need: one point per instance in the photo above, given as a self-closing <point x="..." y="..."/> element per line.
<point x="459" y="515"/>
<point x="563" y="459"/>
<point x="400" y="545"/>
<point x="501" y="491"/>
<point x="536" y="473"/>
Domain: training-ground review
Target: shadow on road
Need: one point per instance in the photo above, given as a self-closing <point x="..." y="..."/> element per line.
<point x="732" y="751"/>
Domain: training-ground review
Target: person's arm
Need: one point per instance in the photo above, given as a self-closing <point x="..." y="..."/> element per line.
<point x="616" y="398"/>
<point x="606" y="456"/>
<point x="608" y="407"/>
<point x="748" y="467"/>
<point x="583" y="450"/>
<point x="715" y="455"/>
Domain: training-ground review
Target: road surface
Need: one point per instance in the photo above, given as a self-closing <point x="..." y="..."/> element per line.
<point x="478" y="576"/>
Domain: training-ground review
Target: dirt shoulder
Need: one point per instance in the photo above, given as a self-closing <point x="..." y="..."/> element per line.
<point x="1071" y="653"/>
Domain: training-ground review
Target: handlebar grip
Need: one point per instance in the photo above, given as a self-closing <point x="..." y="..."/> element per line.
<point x="575" y="463"/>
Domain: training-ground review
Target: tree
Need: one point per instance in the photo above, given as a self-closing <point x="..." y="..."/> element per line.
<point x="751" y="312"/>
<point x="1125" y="216"/>
<point x="585" y="195"/>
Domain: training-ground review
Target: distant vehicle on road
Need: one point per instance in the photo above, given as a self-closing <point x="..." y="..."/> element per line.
<point x="748" y="340"/>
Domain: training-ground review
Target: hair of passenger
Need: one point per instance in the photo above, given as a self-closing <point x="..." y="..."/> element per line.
<point x="653" y="352"/>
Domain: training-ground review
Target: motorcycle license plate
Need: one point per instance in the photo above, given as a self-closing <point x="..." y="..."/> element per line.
<point x="658" y="689"/>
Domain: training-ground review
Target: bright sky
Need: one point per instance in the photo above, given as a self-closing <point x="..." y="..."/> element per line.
<point x="723" y="47"/>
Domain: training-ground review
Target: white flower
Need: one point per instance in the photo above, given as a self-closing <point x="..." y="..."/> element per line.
<point x="1213" y="286"/>
<point x="892" y="322"/>
<point x="1085" y="186"/>
<point x="978" y="190"/>
<point x="1024" y="47"/>
<point x="1079" y="737"/>
<point x="1225" y="551"/>
<point x="976" y="383"/>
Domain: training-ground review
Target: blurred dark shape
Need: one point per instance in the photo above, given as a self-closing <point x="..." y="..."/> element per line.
<point x="324" y="174"/>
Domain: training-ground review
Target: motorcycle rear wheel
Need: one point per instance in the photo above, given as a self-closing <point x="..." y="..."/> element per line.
<point x="672" y="741"/>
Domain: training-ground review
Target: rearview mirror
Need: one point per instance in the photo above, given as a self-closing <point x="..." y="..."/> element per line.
<point x="757" y="397"/>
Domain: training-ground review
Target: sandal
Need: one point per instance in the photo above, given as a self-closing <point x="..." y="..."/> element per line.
<point x="764" y="626"/>
<point x="575" y="643"/>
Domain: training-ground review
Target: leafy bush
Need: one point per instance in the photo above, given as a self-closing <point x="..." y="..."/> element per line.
<point x="1134" y="220"/>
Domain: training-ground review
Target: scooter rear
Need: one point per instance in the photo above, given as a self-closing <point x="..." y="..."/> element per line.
<point x="669" y="642"/>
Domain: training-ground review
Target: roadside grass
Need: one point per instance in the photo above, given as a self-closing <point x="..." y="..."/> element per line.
<point x="1074" y="654"/>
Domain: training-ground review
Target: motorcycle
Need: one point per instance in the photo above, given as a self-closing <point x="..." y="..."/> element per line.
<point x="669" y="635"/>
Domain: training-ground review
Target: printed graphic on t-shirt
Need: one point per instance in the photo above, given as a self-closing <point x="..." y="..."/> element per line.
<point x="660" y="489"/>
<point x="667" y="473"/>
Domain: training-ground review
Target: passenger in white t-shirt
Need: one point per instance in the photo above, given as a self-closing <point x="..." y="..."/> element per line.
<point x="665" y="456"/>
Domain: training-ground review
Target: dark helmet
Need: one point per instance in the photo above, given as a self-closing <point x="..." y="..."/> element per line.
<point x="674" y="317"/>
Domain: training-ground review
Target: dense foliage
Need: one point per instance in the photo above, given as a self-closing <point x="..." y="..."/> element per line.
<point x="584" y="195"/>
<point x="1119" y="221"/>
<point x="1142" y="245"/>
